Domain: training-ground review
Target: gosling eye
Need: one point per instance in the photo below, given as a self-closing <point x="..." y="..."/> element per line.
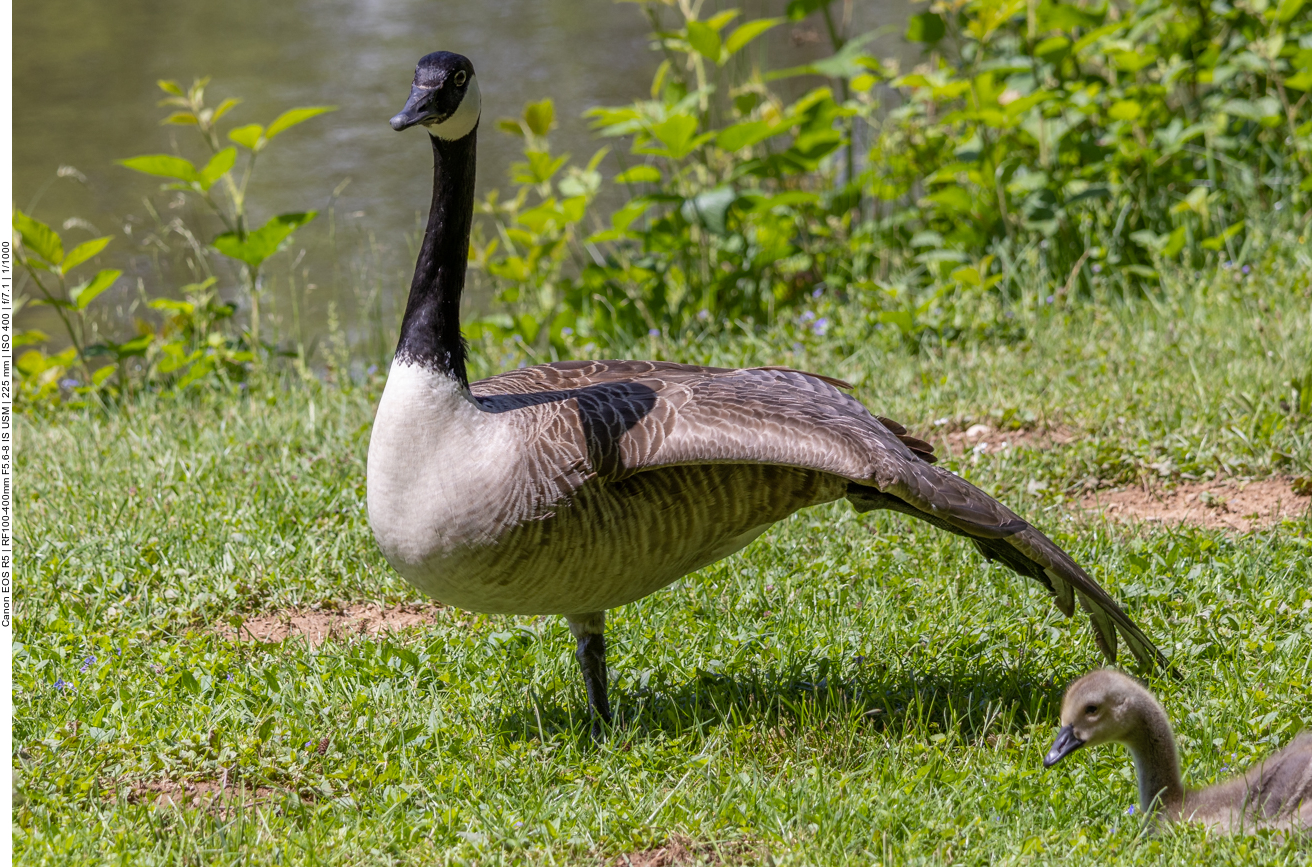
<point x="460" y="78"/>
<point x="1090" y="709"/>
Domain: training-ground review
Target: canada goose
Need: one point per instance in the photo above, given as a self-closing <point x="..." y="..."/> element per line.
<point x="574" y="487"/>
<point x="1107" y="706"/>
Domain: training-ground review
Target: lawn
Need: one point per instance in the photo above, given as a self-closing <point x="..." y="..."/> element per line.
<point x="849" y="689"/>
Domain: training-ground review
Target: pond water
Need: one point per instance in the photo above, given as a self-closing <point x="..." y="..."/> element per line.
<point x="85" y="94"/>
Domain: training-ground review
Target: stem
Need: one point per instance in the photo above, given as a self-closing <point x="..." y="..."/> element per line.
<point x="255" y="309"/>
<point x="74" y="336"/>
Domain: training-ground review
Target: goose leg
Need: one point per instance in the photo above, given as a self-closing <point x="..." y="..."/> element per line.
<point x="591" y="654"/>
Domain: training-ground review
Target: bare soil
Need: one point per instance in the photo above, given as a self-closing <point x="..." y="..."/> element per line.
<point x="983" y="439"/>
<point x="680" y="851"/>
<point x="220" y="795"/>
<point x="1226" y="505"/>
<point x="318" y="625"/>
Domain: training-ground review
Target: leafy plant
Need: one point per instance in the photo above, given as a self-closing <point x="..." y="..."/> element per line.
<point x="250" y="247"/>
<point x="1089" y="145"/>
<point x="41" y="252"/>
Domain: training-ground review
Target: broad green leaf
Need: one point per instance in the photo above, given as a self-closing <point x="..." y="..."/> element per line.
<point x="675" y="132"/>
<point x="716" y="22"/>
<point x="103" y="373"/>
<point x="926" y="27"/>
<point x="639" y="175"/>
<point x="745" y="33"/>
<point x="510" y="125"/>
<point x="1287" y="9"/>
<point x="32" y="362"/>
<point x="742" y="135"/>
<point x="704" y="40"/>
<point x="624" y="217"/>
<point x="264" y="241"/>
<point x="247" y="136"/>
<point x="539" y="168"/>
<point x="540" y="116"/>
<point x="30" y="336"/>
<point x="952" y="200"/>
<point x="710" y="208"/>
<point x="1051" y="46"/>
<point x="39" y="238"/>
<point x="171" y="305"/>
<point x="293" y="116"/>
<point x="1301" y="81"/>
<point x="169" y="87"/>
<point x="135" y="346"/>
<point x="181" y="118"/>
<point x="1064" y="16"/>
<point x="224" y="107"/>
<point x="83" y="252"/>
<point x="162" y="165"/>
<point x="1126" y="109"/>
<point x="87" y="292"/>
<point x="1175" y="243"/>
<point x="217" y="167"/>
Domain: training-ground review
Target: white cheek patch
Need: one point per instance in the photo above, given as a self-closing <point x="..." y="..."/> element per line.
<point x="465" y="118"/>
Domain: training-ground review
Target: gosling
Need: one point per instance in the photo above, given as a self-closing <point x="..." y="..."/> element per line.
<point x="1106" y="705"/>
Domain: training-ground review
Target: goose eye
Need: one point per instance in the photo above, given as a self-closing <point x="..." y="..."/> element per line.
<point x="460" y="78"/>
<point x="1091" y="709"/>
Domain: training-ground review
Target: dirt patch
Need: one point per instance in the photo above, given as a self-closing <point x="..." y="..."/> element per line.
<point x="981" y="439"/>
<point x="680" y="851"/>
<point x="220" y="796"/>
<point x="318" y="625"/>
<point x="1227" y="505"/>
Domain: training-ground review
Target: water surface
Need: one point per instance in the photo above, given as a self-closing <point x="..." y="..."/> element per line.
<point x="84" y="95"/>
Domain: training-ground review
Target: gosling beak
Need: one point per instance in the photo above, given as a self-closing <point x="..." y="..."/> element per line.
<point x="411" y="114"/>
<point x="1065" y="744"/>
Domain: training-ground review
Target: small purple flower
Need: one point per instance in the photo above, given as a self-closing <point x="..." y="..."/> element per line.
<point x="1131" y="811"/>
<point x="60" y="685"/>
<point x="566" y="331"/>
<point x="70" y="382"/>
<point x="652" y="332"/>
<point x="87" y="663"/>
<point x="821" y="326"/>
<point x="1245" y="269"/>
<point x="519" y="824"/>
<point x="1051" y="299"/>
<point x="309" y="744"/>
<point x="1097" y="269"/>
<point x="373" y="368"/>
<point x="817" y="292"/>
<point x="807" y="315"/>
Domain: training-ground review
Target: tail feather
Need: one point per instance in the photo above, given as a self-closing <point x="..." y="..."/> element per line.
<point x="953" y="504"/>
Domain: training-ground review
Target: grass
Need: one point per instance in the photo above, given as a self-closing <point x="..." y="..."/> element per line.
<point x="848" y="689"/>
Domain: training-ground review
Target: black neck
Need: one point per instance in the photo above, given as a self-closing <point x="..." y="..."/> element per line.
<point x="430" y="331"/>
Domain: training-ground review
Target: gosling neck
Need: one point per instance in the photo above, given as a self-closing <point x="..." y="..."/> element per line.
<point x="430" y="330"/>
<point x="1156" y="762"/>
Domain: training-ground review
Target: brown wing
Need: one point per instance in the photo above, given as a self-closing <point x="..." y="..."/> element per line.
<point x="631" y="416"/>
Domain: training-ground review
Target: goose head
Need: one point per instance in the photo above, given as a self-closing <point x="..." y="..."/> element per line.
<point x="1102" y="706"/>
<point x="444" y="97"/>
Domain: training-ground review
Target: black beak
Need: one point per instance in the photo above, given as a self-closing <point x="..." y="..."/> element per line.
<point x="411" y="114"/>
<point x="1065" y="744"/>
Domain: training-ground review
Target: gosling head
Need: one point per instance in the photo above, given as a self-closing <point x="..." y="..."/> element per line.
<point x="1102" y="706"/>
<point x="444" y="97"/>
